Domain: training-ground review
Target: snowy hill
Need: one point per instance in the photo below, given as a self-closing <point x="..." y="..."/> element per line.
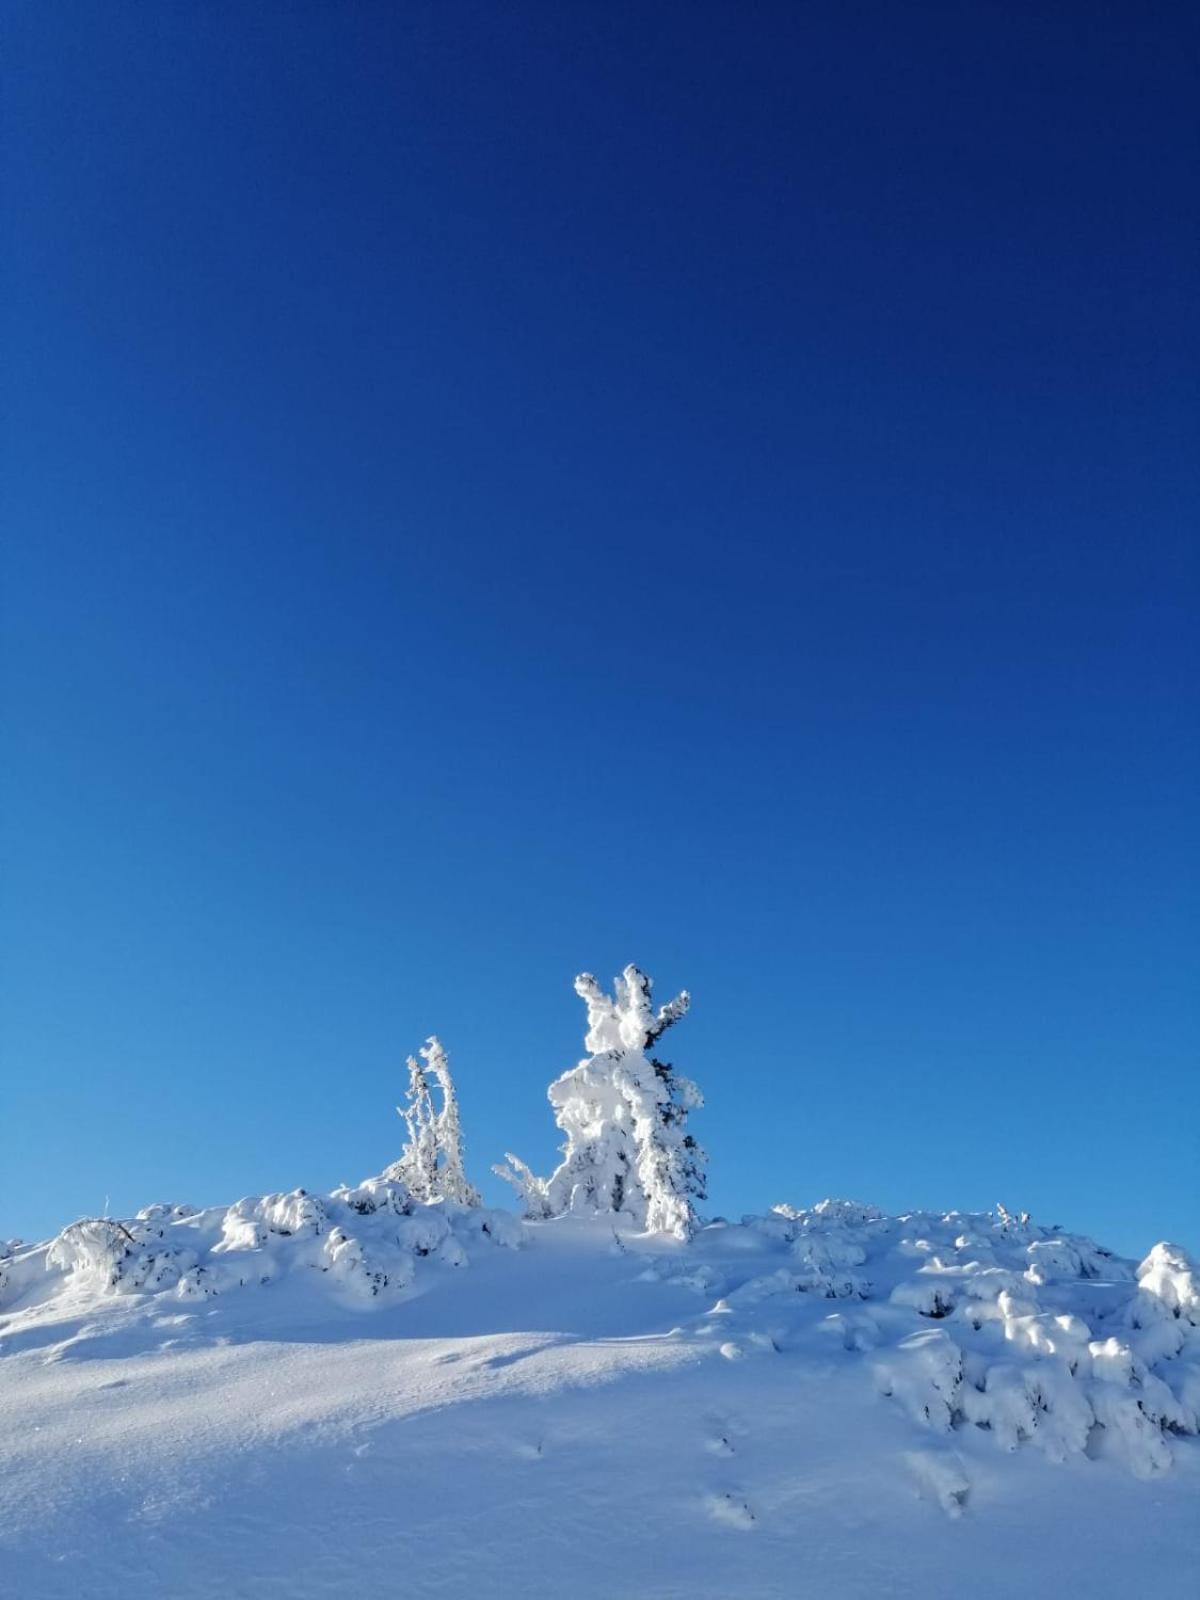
<point x="391" y="1389"/>
<point x="312" y="1396"/>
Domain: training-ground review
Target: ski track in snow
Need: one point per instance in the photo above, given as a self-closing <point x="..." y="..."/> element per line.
<point x="753" y="1414"/>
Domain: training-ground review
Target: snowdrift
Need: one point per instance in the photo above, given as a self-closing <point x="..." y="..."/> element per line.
<point x="306" y="1394"/>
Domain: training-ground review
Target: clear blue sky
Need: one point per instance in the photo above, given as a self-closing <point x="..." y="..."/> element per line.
<point x="495" y="490"/>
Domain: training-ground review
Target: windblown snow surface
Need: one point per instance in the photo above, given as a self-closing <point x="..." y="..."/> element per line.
<point x="305" y="1396"/>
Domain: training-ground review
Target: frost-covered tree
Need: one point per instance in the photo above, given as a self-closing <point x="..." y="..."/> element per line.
<point x="451" y="1178"/>
<point x="431" y="1164"/>
<point x="417" y="1166"/>
<point x="624" y="1113"/>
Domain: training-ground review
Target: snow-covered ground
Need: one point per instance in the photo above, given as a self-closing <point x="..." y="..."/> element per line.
<point x="330" y="1396"/>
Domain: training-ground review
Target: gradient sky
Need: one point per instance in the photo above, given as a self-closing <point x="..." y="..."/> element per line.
<point x="495" y="490"/>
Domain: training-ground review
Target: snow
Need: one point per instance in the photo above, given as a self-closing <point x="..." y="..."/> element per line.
<point x="319" y="1395"/>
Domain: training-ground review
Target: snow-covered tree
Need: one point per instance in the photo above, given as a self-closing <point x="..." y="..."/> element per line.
<point x="624" y="1114"/>
<point x="417" y="1166"/>
<point x="431" y="1164"/>
<point x="451" y="1179"/>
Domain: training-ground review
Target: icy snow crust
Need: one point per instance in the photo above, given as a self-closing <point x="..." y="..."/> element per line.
<point x="312" y="1395"/>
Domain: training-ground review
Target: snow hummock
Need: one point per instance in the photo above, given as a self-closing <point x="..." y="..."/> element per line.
<point x="319" y="1395"/>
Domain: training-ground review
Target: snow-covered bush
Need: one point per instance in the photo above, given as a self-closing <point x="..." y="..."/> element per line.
<point x="991" y="1321"/>
<point x="376" y="1194"/>
<point x="8" y="1248"/>
<point x="532" y="1191"/>
<point x="431" y="1165"/>
<point x="1170" y="1280"/>
<point x="924" y="1374"/>
<point x="1023" y="1348"/>
<point x="624" y="1113"/>
<point x="120" y="1255"/>
<point x="367" y="1239"/>
<point x="847" y="1213"/>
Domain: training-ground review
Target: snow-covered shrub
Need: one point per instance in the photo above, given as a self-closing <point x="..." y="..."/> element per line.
<point x="825" y="1281"/>
<point x="162" y="1212"/>
<point x="7" y="1249"/>
<point x="94" y="1247"/>
<point x="924" y="1373"/>
<point x="366" y="1240"/>
<point x="532" y="1191"/>
<point x="827" y="1239"/>
<point x="376" y="1194"/>
<point x="827" y="1266"/>
<point x="1165" y="1312"/>
<point x="248" y="1224"/>
<point x="497" y="1227"/>
<point x="1039" y="1402"/>
<point x="847" y="1213"/>
<point x="1170" y="1278"/>
<point x="624" y="1113"/>
<point x="926" y="1296"/>
<point x="431" y="1165"/>
<point x="346" y="1260"/>
<point x="1136" y="1406"/>
<point x="1036" y="1336"/>
<point x="1061" y="1256"/>
<point x="1017" y="1304"/>
<point x="1015" y="1223"/>
<point x="119" y="1255"/>
<point x="321" y="1232"/>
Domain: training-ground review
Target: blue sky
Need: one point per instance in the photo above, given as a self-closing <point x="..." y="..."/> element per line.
<point x="500" y="490"/>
